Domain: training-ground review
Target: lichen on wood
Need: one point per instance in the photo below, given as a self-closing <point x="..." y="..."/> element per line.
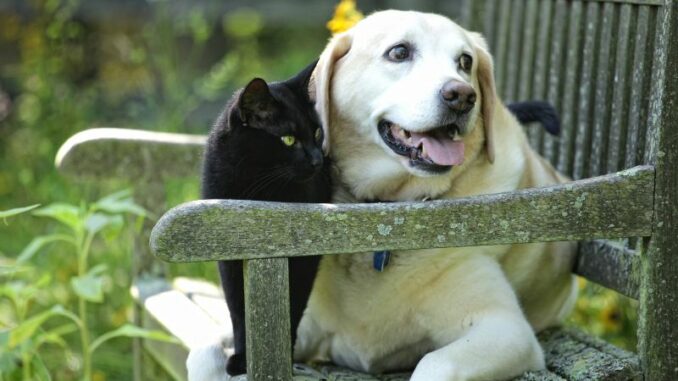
<point x="611" y="206"/>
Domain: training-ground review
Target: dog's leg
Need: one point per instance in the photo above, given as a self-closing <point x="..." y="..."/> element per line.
<point x="497" y="347"/>
<point x="207" y="363"/>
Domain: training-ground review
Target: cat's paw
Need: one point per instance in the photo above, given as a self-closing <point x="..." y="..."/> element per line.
<point x="237" y="364"/>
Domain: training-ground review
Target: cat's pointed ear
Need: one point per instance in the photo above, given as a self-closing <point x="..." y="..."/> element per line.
<point x="255" y="99"/>
<point x="320" y="84"/>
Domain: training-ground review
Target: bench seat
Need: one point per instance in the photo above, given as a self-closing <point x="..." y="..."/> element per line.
<point x="570" y="354"/>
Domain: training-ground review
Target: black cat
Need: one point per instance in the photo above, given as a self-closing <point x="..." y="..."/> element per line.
<point x="266" y="145"/>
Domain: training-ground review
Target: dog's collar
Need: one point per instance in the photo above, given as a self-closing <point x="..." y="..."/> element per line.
<point x="381" y="259"/>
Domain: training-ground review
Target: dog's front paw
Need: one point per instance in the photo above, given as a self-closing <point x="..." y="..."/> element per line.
<point x="207" y="363"/>
<point x="434" y="367"/>
<point x="237" y="364"/>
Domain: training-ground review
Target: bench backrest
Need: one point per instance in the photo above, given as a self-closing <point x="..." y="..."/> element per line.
<point x="594" y="60"/>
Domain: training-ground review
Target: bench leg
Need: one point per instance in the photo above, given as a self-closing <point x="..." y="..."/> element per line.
<point x="658" y="317"/>
<point x="267" y="319"/>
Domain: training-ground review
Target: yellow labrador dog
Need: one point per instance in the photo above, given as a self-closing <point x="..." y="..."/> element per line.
<point x="412" y="113"/>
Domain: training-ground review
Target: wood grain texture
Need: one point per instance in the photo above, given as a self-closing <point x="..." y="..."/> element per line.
<point x="556" y="69"/>
<point x="570" y="82"/>
<point x="640" y="84"/>
<point x="658" y="325"/>
<point x="601" y="103"/>
<point x="539" y="69"/>
<point x="610" y="264"/>
<point x="105" y="153"/>
<point x="616" y="142"/>
<point x="514" y="58"/>
<point x="582" y="151"/>
<point x="616" y="205"/>
<point x="501" y="40"/>
<point x="576" y="356"/>
<point x="267" y="318"/>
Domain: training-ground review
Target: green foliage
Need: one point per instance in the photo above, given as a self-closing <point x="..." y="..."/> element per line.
<point x="13" y="212"/>
<point x="28" y="331"/>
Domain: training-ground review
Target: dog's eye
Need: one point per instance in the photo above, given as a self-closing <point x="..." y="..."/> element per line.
<point x="465" y="62"/>
<point x="318" y="135"/>
<point x="398" y="53"/>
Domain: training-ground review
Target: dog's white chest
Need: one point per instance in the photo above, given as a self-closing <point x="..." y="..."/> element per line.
<point x="387" y="321"/>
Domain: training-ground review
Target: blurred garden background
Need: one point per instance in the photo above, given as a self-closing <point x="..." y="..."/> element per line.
<point x="162" y="65"/>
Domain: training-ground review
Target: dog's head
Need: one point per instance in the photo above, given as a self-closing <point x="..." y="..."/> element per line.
<point x="405" y="95"/>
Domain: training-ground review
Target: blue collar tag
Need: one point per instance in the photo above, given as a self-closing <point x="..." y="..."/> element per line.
<point x="381" y="259"/>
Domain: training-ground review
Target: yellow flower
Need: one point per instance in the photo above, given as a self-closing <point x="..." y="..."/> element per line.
<point x="98" y="376"/>
<point x="345" y="16"/>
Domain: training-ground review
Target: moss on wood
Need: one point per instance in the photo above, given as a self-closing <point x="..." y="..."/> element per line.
<point x="617" y="205"/>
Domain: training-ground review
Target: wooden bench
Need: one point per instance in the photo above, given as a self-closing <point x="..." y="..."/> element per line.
<point x="610" y="67"/>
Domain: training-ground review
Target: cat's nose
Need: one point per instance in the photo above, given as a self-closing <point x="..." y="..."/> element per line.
<point x="316" y="159"/>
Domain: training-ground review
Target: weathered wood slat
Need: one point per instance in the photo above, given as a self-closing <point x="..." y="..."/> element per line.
<point x="604" y="76"/>
<point x="501" y="39"/>
<point x="103" y="153"/>
<point x="529" y="42"/>
<point x="571" y="86"/>
<point x="612" y="206"/>
<point x="609" y="264"/>
<point x="582" y="150"/>
<point x="639" y="87"/>
<point x="267" y="319"/>
<point x="576" y="356"/>
<point x="617" y="132"/>
<point x="489" y="22"/>
<point x="658" y="341"/>
<point x="562" y="346"/>
<point x="556" y="65"/>
<point x="514" y="58"/>
<point x="637" y="2"/>
<point x="539" y="70"/>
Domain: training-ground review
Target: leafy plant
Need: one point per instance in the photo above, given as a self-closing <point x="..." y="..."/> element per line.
<point x="80" y="226"/>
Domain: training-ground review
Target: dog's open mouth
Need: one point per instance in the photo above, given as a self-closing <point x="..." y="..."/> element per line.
<point x="435" y="150"/>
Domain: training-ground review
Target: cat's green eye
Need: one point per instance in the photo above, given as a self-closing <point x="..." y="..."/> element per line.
<point x="318" y="134"/>
<point x="288" y="140"/>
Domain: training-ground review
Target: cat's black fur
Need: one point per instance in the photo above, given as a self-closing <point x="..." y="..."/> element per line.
<point x="246" y="159"/>
<point x="537" y="111"/>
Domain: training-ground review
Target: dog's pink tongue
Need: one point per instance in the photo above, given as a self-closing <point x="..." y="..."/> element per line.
<point x="442" y="150"/>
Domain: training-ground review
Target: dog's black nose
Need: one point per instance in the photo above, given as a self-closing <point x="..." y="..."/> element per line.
<point x="458" y="96"/>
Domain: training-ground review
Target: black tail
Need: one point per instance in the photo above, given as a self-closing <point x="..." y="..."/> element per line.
<point x="537" y="111"/>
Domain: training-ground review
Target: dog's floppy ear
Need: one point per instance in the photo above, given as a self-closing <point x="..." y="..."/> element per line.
<point x="319" y="86"/>
<point x="488" y="90"/>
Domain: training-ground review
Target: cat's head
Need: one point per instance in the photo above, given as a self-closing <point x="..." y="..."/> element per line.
<point x="281" y="125"/>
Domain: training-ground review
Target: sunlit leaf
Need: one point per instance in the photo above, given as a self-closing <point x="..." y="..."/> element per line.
<point x="98" y="221"/>
<point x="129" y="330"/>
<point x="14" y="212"/>
<point x="38" y="243"/>
<point x="90" y="286"/>
<point x="27" y="328"/>
<point x="64" y="213"/>
<point x="55" y="336"/>
<point x="120" y="202"/>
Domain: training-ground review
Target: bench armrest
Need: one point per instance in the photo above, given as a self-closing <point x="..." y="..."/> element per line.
<point x="612" y="206"/>
<point x="130" y="154"/>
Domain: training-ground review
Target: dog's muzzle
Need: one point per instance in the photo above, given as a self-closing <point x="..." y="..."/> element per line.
<point x="435" y="150"/>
